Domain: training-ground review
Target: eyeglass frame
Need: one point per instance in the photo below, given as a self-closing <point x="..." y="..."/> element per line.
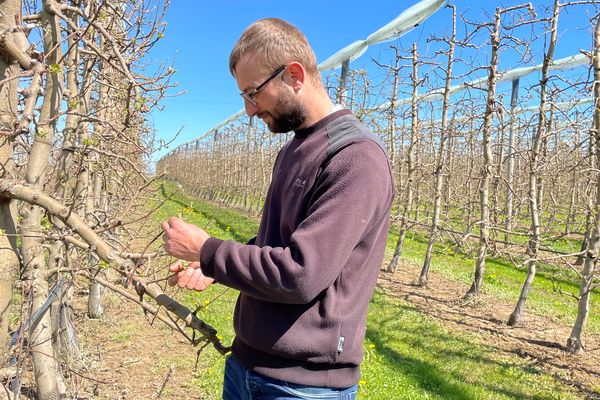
<point x="249" y="96"/>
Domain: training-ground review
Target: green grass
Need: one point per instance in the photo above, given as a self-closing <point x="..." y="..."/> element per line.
<point x="217" y="301"/>
<point x="552" y="232"/>
<point x="407" y="355"/>
<point x="221" y="222"/>
<point x="504" y="280"/>
<point x="208" y="375"/>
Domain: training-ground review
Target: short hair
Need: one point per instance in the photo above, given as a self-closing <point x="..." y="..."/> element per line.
<point x="275" y="42"/>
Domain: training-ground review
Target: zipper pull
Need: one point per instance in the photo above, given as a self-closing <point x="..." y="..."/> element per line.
<point x="340" y="347"/>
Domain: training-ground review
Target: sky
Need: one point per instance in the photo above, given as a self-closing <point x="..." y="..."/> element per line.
<point x="200" y="35"/>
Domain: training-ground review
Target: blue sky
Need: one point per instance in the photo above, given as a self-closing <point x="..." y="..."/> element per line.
<point x="200" y="34"/>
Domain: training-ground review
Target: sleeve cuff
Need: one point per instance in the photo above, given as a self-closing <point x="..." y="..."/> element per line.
<point x="207" y="254"/>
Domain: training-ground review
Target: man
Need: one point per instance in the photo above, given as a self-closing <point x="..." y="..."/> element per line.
<point x="306" y="279"/>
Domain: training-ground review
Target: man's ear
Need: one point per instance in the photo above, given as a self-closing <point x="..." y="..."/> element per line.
<point x="295" y="75"/>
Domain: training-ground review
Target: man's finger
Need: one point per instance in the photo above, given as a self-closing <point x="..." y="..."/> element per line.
<point x="184" y="277"/>
<point x="193" y="282"/>
<point x="202" y="283"/>
<point x="172" y="281"/>
<point x="173" y="222"/>
<point x="176" y="267"/>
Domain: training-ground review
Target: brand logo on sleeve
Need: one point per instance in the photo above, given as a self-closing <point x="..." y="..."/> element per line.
<point x="300" y="182"/>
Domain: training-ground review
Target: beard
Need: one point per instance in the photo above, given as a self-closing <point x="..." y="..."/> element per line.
<point x="287" y="114"/>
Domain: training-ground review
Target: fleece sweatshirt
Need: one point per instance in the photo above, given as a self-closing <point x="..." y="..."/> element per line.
<point x="305" y="281"/>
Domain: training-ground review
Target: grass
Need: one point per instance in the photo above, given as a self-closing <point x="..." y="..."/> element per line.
<point x="217" y="301"/>
<point x="552" y="227"/>
<point x="415" y="356"/>
<point x="407" y="354"/>
<point x="551" y="295"/>
<point x="126" y="333"/>
<point x="227" y="224"/>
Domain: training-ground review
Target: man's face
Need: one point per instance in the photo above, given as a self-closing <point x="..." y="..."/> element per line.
<point x="276" y="104"/>
<point x="286" y="115"/>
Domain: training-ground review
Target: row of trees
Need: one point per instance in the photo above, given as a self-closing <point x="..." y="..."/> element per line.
<point x="514" y="168"/>
<point x="75" y="93"/>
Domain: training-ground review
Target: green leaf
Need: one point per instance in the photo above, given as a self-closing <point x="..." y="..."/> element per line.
<point x="55" y="68"/>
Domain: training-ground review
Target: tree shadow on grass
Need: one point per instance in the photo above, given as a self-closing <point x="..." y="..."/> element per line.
<point x="428" y="377"/>
<point x="438" y="378"/>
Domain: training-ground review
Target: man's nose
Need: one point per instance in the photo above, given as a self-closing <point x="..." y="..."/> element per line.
<point x="251" y="109"/>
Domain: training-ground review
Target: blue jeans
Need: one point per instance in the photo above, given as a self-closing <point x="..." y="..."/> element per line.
<point x="243" y="384"/>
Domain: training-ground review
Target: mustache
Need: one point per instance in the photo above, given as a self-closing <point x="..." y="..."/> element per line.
<point x="262" y="115"/>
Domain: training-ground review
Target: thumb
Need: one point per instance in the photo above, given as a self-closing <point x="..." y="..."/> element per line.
<point x="172" y="281"/>
<point x="177" y="267"/>
<point x="170" y="223"/>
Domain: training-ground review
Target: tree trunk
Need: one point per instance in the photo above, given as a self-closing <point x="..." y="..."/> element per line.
<point x="410" y="166"/>
<point x="95" y="309"/>
<point x="42" y="351"/>
<point x="534" y="184"/>
<point x="486" y="169"/>
<point x="96" y="291"/>
<point x="440" y="165"/>
<point x="575" y="343"/>
<point x="9" y="260"/>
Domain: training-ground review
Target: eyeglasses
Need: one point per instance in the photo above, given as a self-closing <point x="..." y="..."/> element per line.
<point x="249" y="96"/>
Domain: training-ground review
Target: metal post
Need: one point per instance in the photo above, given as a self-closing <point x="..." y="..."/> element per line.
<point x="341" y="93"/>
<point x="511" y="161"/>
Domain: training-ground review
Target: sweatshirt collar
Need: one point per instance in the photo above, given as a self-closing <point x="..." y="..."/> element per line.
<point x="305" y="132"/>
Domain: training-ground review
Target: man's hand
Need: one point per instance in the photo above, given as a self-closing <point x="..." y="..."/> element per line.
<point x="183" y="240"/>
<point x="190" y="277"/>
